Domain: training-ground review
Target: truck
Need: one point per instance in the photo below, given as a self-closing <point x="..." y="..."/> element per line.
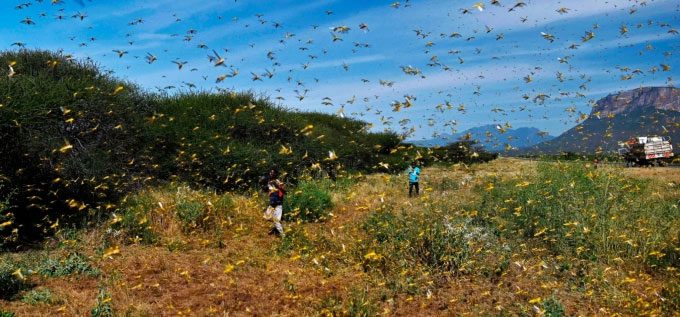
<point x="646" y="151"/>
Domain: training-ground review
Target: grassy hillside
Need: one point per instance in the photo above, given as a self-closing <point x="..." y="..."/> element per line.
<point x="509" y="237"/>
<point x="76" y="141"/>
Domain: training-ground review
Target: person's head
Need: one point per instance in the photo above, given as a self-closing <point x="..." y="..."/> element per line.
<point x="273" y="173"/>
<point x="414" y="163"/>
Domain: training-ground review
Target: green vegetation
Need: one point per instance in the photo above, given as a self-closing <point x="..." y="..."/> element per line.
<point x="74" y="264"/>
<point x="11" y="282"/>
<point x="553" y="308"/>
<point x="75" y="141"/>
<point x="133" y="222"/>
<point x="4" y="313"/>
<point x="578" y="211"/>
<point x="39" y="296"/>
<point x="309" y="201"/>
<point x="102" y="307"/>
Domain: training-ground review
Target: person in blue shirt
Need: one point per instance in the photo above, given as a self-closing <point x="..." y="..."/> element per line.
<point x="413" y="178"/>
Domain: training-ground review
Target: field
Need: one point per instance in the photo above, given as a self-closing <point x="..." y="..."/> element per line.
<point x="508" y="237"/>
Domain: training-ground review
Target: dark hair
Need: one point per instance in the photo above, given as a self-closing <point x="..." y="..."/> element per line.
<point x="275" y="170"/>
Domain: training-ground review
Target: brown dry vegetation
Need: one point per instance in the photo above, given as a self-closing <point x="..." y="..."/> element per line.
<point x="232" y="267"/>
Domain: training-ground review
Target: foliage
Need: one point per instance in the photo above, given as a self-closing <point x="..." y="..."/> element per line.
<point x="68" y="137"/>
<point x="75" y="140"/>
<point x="102" y="307"/>
<point x="10" y="282"/>
<point x="553" y="308"/>
<point x="75" y="263"/>
<point x="406" y="240"/>
<point x="579" y="211"/>
<point x="4" y="313"/>
<point x="133" y="222"/>
<point x="310" y="201"/>
<point x="39" y="296"/>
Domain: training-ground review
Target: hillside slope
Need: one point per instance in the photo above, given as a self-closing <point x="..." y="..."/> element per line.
<point x="619" y="117"/>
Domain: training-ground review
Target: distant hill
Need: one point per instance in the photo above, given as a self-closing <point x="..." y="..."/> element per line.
<point x="618" y="117"/>
<point x="494" y="138"/>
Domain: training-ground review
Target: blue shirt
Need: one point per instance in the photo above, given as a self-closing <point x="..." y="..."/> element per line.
<point x="413" y="174"/>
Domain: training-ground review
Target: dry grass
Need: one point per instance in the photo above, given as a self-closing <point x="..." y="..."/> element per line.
<point x="235" y="268"/>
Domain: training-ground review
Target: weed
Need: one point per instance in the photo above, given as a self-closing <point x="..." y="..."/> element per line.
<point x="553" y="308"/>
<point x="5" y="313"/>
<point x="39" y="296"/>
<point x="295" y="240"/>
<point x="102" y="307"/>
<point x="359" y="304"/>
<point x="190" y="213"/>
<point x="75" y="263"/>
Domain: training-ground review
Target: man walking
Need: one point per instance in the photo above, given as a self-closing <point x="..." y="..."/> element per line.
<point x="413" y="178"/>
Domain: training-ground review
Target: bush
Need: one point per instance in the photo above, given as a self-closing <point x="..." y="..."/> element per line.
<point x="10" y="283"/>
<point x="67" y="139"/>
<point x="134" y="223"/>
<point x="4" y="313"/>
<point x="73" y="264"/>
<point x="39" y="296"/>
<point x="553" y="308"/>
<point x="307" y="202"/>
<point x="190" y="213"/>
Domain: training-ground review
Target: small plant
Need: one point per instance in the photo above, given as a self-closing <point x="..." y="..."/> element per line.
<point x="134" y="223"/>
<point x="11" y="282"/>
<point x="308" y="202"/>
<point x="5" y="313"/>
<point x="295" y="240"/>
<point x="553" y="308"/>
<point x="360" y="305"/>
<point x="74" y="264"/>
<point x="330" y="306"/>
<point x="102" y="306"/>
<point x="191" y="213"/>
<point x="39" y="296"/>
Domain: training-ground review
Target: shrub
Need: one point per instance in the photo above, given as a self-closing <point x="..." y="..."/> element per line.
<point x="67" y="139"/>
<point x="4" y="313"/>
<point x="553" y="308"/>
<point x="10" y="283"/>
<point x="102" y="307"/>
<point x="39" y="296"/>
<point x="190" y="213"/>
<point x="307" y="202"/>
<point x="134" y="222"/>
<point x="73" y="264"/>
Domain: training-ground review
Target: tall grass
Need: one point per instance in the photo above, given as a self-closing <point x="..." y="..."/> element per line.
<point x="591" y="214"/>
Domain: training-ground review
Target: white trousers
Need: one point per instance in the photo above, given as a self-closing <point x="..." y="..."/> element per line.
<point x="274" y="214"/>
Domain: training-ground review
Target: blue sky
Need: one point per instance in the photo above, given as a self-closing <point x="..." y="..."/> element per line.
<point x="469" y="67"/>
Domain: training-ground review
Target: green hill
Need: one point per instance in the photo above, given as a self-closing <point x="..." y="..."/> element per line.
<point x="74" y="141"/>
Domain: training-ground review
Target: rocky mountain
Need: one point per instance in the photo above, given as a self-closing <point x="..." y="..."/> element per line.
<point x="494" y="138"/>
<point x="618" y="117"/>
